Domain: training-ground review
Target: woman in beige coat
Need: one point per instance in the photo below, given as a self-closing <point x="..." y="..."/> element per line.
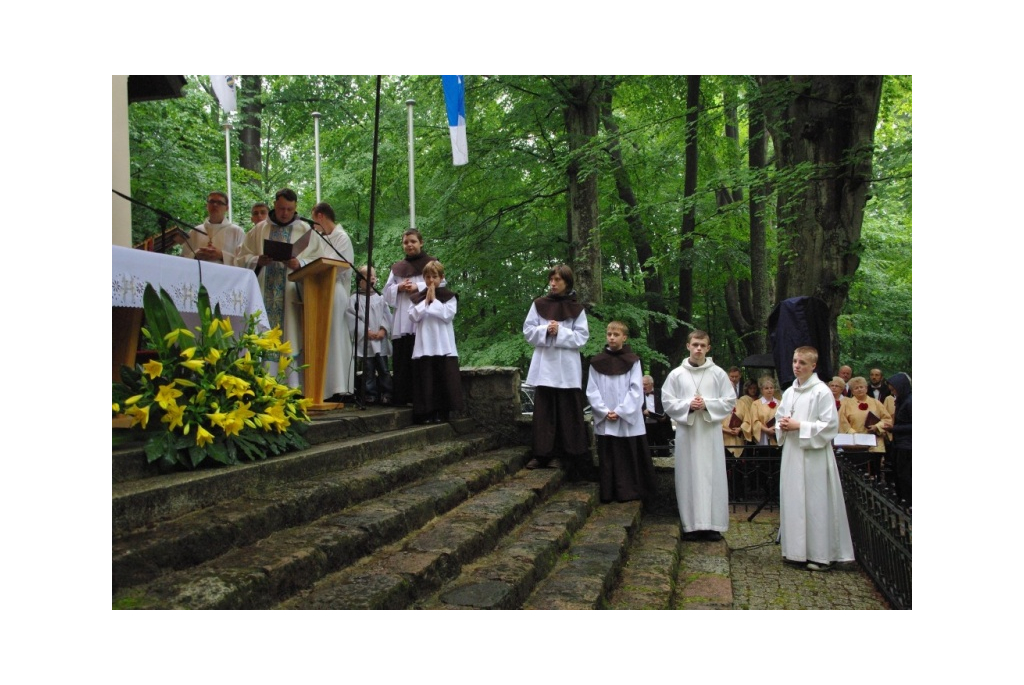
<point x="762" y="413"/>
<point x="853" y="418"/>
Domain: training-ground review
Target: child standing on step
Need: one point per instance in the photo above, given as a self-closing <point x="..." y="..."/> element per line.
<point x="556" y="326"/>
<point x="616" y="394"/>
<point x="437" y="383"/>
<point x="377" y="345"/>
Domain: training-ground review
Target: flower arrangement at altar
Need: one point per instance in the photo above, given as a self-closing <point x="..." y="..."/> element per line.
<point x="208" y="393"/>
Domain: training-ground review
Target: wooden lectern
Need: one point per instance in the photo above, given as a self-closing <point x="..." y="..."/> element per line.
<point x="317" y="280"/>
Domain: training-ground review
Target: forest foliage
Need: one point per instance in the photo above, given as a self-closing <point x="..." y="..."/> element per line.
<point x="500" y="222"/>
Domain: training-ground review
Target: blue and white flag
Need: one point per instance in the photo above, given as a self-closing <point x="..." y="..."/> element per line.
<point x="224" y="89"/>
<point x="455" y="101"/>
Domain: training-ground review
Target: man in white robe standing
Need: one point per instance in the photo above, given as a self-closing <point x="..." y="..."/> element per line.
<point x="698" y="396"/>
<point x="281" y="296"/>
<point x="813" y="527"/>
<point x="216" y="239"/>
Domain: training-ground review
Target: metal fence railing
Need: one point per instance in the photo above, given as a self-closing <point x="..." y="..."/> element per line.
<point x="882" y="530"/>
<point x="880" y="525"/>
<point x="754" y="476"/>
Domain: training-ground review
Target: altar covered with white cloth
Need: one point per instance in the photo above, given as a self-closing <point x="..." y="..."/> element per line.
<point x="236" y="290"/>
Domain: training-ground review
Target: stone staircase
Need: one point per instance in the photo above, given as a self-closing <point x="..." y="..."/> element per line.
<point x="382" y="514"/>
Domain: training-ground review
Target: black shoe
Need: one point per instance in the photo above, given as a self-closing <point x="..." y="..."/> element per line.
<point x="692" y="536"/>
<point x="712" y="535"/>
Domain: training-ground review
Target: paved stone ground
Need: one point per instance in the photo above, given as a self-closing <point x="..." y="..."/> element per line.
<point x="743" y="572"/>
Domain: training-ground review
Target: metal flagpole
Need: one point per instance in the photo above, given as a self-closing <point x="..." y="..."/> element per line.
<point x="316" y="139"/>
<point x="227" y="163"/>
<point x="369" y="245"/>
<point x="412" y="166"/>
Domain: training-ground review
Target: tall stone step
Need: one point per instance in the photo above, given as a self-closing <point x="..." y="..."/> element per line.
<point x="648" y="579"/>
<point x="139" y="504"/>
<point x="404" y="572"/>
<point x="274" y="567"/>
<point x="591" y="566"/>
<point x="129" y="460"/>
<point x="506" y="576"/>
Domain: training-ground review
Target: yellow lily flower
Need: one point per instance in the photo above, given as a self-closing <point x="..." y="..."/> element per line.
<point x="233" y="425"/>
<point x="173" y="416"/>
<point x="153" y="368"/>
<point x="167" y="395"/>
<point x="184" y="383"/>
<point x="213" y="356"/>
<point x="245" y="363"/>
<point x="217" y="418"/>
<point x="116" y="408"/>
<point x="188" y="353"/>
<point x="284" y="348"/>
<point x="194" y="365"/>
<point x="203" y="436"/>
<point x="140" y="415"/>
<point x="225" y="325"/>
<point x="132" y="400"/>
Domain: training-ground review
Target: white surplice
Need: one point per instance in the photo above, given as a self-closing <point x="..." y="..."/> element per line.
<point x="626" y="391"/>
<point x="702" y="489"/>
<point x="556" y="361"/>
<point x="380" y="317"/>
<point x="225" y="236"/>
<point x="435" y="333"/>
<point x="338" y="379"/>
<point x="812" y="512"/>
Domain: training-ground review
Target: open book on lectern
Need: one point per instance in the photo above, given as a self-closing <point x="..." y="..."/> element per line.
<point x="281" y="251"/>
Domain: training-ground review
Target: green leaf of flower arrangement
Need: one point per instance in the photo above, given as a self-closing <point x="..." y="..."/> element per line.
<point x="156" y="315"/>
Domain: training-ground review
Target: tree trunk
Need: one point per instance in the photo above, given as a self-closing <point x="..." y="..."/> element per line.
<point x="823" y="128"/>
<point x="756" y="341"/>
<point x="250" y="154"/>
<point x="739" y="293"/>
<point x="684" y="304"/>
<point x="654" y="296"/>
<point x="582" y="110"/>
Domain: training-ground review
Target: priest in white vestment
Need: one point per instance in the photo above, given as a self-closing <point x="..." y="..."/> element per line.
<point x="698" y="396"/>
<point x="216" y="239"/>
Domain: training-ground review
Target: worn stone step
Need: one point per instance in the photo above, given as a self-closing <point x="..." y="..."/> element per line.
<point x="399" y="574"/>
<point x="198" y="536"/>
<point x="129" y="461"/>
<point x="648" y="578"/>
<point x="591" y="565"/>
<point x="704" y="578"/>
<point x="142" y="503"/>
<point x="505" y="577"/>
<point x="258" y="575"/>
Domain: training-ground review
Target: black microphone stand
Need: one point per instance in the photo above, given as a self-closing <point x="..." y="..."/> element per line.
<point x="167" y="217"/>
